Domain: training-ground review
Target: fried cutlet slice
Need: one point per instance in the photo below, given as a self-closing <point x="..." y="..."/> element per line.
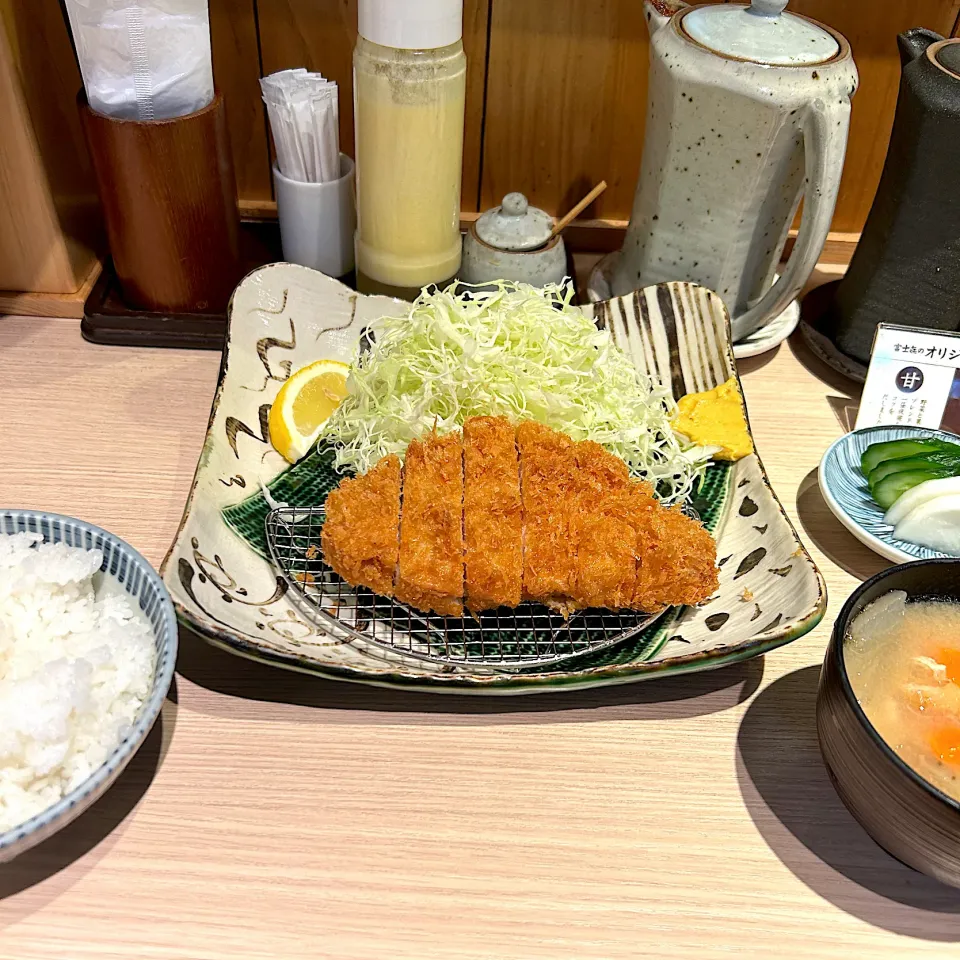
<point x="492" y="514"/>
<point x="598" y="471"/>
<point x="677" y="560"/>
<point x="605" y="536"/>
<point x="548" y="485"/>
<point x="430" y="572"/>
<point x="360" y="532"/>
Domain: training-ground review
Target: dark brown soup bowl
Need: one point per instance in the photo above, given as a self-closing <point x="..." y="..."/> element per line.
<point x="910" y="818"/>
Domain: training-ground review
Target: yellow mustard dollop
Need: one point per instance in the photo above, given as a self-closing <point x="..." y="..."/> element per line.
<point x="715" y="418"/>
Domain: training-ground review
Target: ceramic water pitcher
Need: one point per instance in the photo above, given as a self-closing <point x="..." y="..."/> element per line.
<point x="748" y="109"/>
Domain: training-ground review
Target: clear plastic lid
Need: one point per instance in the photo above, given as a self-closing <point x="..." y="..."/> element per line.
<point x="762" y="32"/>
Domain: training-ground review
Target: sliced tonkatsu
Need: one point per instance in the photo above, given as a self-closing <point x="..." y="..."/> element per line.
<point x="492" y="514"/>
<point x="604" y="536"/>
<point x="509" y="514"/>
<point x="430" y="571"/>
<point x="678" y="561"/>
<point x="360" y="536"/>
<point x="548" y="485"/>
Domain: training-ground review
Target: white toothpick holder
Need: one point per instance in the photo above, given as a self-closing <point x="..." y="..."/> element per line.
<point x="318" y="220"/>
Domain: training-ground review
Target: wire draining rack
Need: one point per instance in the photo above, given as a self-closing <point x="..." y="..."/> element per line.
<point x="528" y="637"/>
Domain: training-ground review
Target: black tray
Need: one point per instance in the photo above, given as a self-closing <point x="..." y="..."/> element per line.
<point x="108" y="319"/>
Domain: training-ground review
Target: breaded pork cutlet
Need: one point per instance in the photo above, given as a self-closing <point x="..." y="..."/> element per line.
<point x="360" y="532"/>
<point x="430" y="572"/>
<point x="605" y="538"/>
<point x="548" y="484"/>
<point x="492" y="514"/>
<point x="590" y="535"/>
<point x="678" y="561"/>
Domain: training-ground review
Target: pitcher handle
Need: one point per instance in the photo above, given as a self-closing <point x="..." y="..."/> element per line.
<point x="824" y="148"/>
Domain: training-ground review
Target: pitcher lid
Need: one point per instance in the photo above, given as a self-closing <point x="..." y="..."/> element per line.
<point x="514" y="225"/>
<point x="762" y="32"/>
<point x="947" y="56"/>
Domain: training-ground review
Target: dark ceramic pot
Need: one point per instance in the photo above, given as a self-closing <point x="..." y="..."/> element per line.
<point x="906" y="268"/>
<point x="908" y="817"/>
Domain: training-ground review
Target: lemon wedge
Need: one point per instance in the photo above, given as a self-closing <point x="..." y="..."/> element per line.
<point x="304" y="404"/>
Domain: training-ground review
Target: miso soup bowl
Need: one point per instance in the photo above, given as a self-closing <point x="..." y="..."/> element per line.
<point x="909" y="817"/>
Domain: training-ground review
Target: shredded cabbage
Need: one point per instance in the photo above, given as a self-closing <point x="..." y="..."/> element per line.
<point x="517" y="352"/>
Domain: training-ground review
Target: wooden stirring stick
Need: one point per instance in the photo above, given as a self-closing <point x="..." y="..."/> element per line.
<point x="563" y="222"/>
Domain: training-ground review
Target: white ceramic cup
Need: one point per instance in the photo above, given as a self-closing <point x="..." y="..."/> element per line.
<point x="317" y="220"/>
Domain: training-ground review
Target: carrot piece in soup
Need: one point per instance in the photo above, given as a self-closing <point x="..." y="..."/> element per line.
<point x="950" y="658"/>
<point x="945" y="743"/>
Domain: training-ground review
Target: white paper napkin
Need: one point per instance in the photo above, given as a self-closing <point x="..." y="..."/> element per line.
<point x="147" y="60"/>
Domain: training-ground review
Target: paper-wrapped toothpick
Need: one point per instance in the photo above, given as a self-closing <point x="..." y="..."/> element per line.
<point x="304" y="114"/>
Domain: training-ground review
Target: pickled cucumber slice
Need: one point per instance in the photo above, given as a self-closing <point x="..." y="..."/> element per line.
<point x="936" y="459"/>
<point x="891" y="488"/>
<point x="899" y="449"/>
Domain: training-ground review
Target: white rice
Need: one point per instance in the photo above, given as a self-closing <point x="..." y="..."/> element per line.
<point x="76" y="664"/>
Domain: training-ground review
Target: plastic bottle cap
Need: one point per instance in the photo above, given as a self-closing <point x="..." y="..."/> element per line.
<point x="411" y="24"/>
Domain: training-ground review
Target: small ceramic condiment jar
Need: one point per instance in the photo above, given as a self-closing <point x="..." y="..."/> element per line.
<point x="510" y="242"/>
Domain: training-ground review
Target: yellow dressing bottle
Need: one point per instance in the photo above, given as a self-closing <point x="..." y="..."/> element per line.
<point x="409" y="79"/>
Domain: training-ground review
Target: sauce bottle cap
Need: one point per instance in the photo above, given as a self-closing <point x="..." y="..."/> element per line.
<point x="411" y="24"/>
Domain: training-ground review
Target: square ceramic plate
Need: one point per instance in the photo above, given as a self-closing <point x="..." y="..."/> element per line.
<point x="284" y="316"/>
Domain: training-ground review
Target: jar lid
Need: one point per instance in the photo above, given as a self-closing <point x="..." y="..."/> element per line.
<point x="761" y="32"/>
<point x="411" y="24"/>
<point x="514" y="225"/>
<point x="948" y="56"/>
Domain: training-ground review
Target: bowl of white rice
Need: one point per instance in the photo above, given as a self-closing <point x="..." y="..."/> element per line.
<point x="88" y="643"/>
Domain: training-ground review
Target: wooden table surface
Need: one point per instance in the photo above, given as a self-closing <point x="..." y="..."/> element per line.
<point x="273" y="815"/>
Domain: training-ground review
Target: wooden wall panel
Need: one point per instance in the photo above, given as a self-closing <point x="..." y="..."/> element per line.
<point x="476" y="15"/>
<point x="555" y="104"/>
<point x="566" y="97"/>
<point x="320" y="35"/>
<point x="872" y="28"/>
<point x="51" y="226"/>
<point x="236" y="69"/>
